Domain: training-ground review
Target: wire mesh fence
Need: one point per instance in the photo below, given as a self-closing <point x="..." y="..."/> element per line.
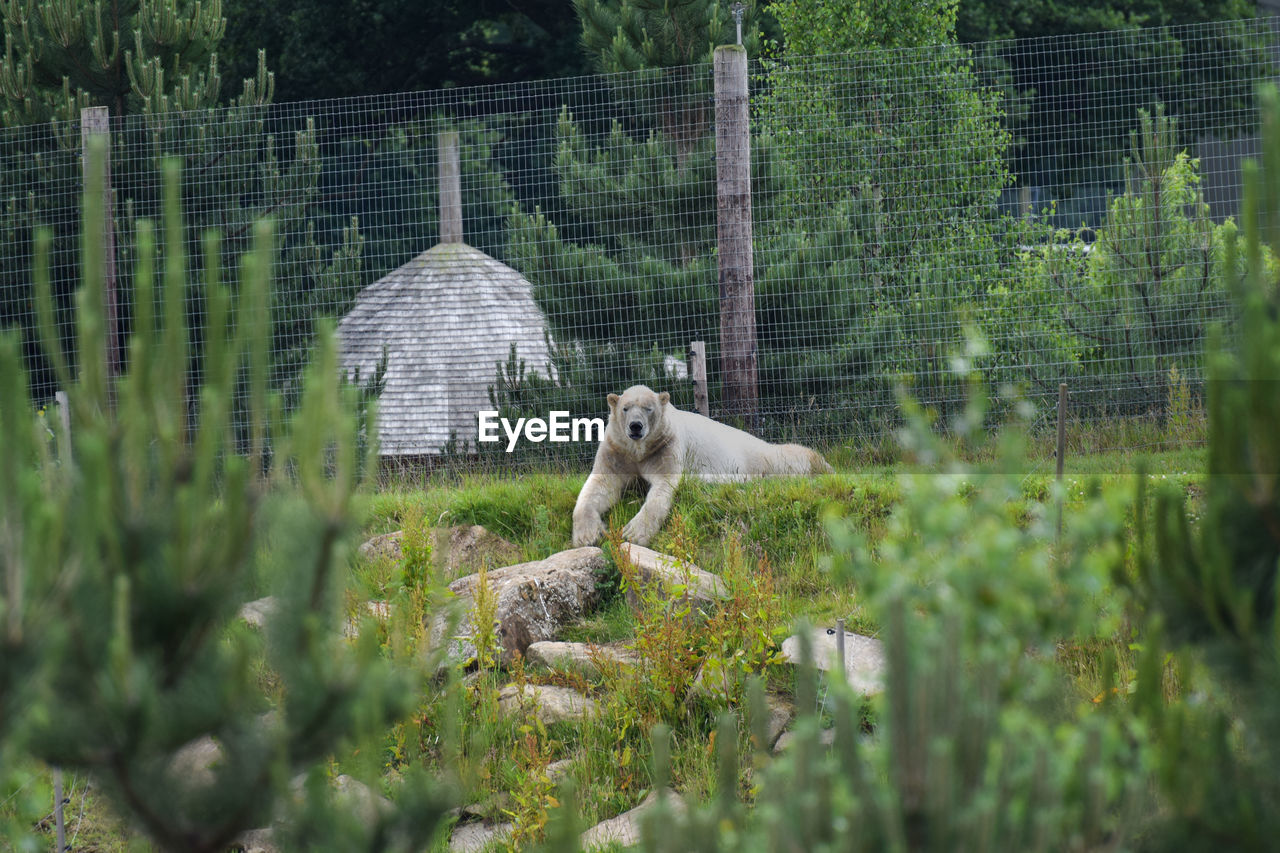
<point x="1049" y="210"/>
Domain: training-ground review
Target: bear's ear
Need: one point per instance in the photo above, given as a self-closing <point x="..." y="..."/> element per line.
<point x="664" y="398"/>
<point x="613" y="402"/>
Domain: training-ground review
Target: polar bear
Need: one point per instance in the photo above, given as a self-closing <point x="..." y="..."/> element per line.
<point x="647" y="437"/>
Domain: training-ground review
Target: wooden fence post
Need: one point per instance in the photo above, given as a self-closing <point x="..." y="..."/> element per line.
<point x="698" y="374"/>
<point x="96" y="121"/>
<point x="739" y="366"/>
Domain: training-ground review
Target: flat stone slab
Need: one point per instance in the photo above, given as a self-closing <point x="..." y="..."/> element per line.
<point x="550" y="704"/>
<point x="864" y="660"/>
<point x="624" y="830"/>
<point x="703" y="589"/>
<point x="584" y="658"/>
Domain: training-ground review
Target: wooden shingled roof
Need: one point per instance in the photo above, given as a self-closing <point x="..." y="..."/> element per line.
<point x="446" y="319"/>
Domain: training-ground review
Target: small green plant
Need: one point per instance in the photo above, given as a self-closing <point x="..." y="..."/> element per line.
<point x="667" y="640"/>
<point x="741" y="633"/>
<point x="484" y="619"/>
<point x="534" y="795"/>
<point x="417" y="550"/>
<point x="1184" y="417"/>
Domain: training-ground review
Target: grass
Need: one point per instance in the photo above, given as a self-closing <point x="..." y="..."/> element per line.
<point x="746" y="528"/>
<point x="778" y="523"/>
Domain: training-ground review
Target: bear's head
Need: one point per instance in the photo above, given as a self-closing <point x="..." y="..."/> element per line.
<point x="638" y="411"/>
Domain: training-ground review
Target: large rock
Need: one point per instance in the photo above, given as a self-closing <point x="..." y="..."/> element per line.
<point x="457" y="549"/>
<point x="257" y="613"/>
<point x="583" y="658"/>
<point x="550" y="704"/>
<point x="624" y="830"/>
<point x="196" y="760"/>
<point x="364" y="803"/>
<point x="864" y="661"/>
<point x="826" y="737"/>
<point x="702" y="589"/>
<point x="472" y="837"/>
<point x="780" y="713"/>
<point x="533" y="601"/>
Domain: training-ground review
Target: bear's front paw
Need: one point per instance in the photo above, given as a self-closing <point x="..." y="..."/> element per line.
<point x="587" y="531"/>
<point x="638" y="531"/>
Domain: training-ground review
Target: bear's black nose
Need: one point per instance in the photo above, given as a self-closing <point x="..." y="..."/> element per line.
<point x="635" y="430"/>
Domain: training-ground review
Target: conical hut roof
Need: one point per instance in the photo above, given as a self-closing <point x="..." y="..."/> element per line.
<point x="445" y="319"/>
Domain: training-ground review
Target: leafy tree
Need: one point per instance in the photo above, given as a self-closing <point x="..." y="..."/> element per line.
<point x="1128" y="311"/>
<point x="884" y="124"/>
<point x="130" y="544"/>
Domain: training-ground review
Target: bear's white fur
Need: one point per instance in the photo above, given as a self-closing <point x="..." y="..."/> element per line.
<point x="647" y="437"/>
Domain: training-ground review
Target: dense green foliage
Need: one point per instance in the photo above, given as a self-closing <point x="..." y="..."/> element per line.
<point x="335" y="50"/>
<point x="1126" y="310"/>
<point x="145" y="63"/>
<point x="1206" y="82"/>
<point x="1209" y="580"/>
<point x="130" y="544"/>
<point x="895" y="154"/>
<point x="976" y="747"/>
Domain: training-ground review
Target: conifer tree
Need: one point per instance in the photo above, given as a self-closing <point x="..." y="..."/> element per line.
<point x="1207" y="574"/>
<point x="128" y="547"/>
<point x="880" y="114"/>
<point x="154" y="64"/>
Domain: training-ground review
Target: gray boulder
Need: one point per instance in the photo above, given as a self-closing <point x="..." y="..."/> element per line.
<point x="457" y="549"/>
<point x="825" y="738"/>
<point x="549" y="704"/>
<point x="864" y="660"/>
<point x="533" y="601"/>
<point x="624" y="830"/>
<point x="472" y="837"/>
<point x="703" y="590"/>
<point x="256" y="613"/>
<point x="583" y="658"/>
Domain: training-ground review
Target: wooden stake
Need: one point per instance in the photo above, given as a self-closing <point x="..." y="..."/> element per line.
<point x="698" y="373"/>
<point x="1062" y="446"/>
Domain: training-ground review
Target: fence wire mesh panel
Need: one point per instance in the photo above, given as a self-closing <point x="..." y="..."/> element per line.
<point x="1049" y="210"/>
